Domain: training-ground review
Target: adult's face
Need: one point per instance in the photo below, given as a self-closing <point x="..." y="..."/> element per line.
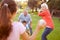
<point x="25" y="13"/>
<point x="43" y="8"/>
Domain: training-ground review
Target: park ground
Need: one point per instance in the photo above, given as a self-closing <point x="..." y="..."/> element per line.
<point x="54" y="35"/>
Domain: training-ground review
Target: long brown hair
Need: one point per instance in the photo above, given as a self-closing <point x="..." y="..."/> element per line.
<point x="8" y="8"/>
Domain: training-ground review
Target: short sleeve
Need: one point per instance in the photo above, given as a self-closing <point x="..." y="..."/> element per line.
<point x="22" y="28"/>
<point x="20" y="16"/>
<point x="30" y="17"/>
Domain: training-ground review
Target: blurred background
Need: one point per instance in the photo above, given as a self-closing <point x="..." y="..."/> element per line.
<point x="32" y="6"/>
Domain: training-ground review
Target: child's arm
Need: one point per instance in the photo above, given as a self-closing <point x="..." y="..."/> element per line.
<point x="42" y="13"/>
<point x="25" y="36"/>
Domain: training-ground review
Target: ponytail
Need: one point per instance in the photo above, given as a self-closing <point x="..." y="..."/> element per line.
<point x="5" y="22"/>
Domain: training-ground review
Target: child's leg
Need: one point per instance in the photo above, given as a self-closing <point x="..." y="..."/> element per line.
<point x="45" y="34"/>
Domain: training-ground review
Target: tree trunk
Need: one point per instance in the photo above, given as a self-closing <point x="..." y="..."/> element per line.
<point x="32" y="10"/>
<point x="36" y="9"/>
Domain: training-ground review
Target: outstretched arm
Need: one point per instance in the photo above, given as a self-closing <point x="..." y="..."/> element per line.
<point x="25" y="36"/>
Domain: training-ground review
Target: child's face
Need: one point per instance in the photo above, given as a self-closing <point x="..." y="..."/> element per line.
<point x="24" y="24"/>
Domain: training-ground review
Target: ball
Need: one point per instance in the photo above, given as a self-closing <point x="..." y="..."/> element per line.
<point x="42" y="22"/>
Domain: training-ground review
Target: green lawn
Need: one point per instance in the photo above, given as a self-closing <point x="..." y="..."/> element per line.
<point x="54" y="35"/>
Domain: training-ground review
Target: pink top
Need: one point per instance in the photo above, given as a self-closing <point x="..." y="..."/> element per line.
<point x="17" y="30"/>
<point x="45" y="14"/>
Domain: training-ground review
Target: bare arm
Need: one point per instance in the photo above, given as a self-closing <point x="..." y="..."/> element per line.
<point x="25" y="36"/>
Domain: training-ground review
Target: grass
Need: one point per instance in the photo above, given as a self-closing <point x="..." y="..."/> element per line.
<point x="54" y="35"/>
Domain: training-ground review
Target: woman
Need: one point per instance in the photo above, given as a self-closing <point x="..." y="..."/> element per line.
<point x="45" y="14"/>
<point x="10" y="30"/>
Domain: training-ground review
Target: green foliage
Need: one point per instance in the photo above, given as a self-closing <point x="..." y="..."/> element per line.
<point x="0" y="0"/>
<point x="54" y="4"/>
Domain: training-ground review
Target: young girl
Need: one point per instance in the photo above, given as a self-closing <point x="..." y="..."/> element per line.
<point x="45" y="14"/>
<point x="10" y="30"/>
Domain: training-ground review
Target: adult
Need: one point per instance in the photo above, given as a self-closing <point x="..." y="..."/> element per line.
<point x="25" y="16"/>
<point x="45" y="14"/>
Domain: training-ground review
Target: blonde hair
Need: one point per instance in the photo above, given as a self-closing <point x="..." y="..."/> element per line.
<point x="44" y="5"/>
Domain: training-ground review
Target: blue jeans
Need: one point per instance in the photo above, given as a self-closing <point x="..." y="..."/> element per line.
<point x="29" y="28"/>
<point x="46" y="32"/>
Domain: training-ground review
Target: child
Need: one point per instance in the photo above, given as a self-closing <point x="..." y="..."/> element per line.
<point x="10" y="30"/>
<point x="24" y="23"/>
<point x="27" y="28"/>
<point x="27" y="17"/>
<point x="45" y="14"/>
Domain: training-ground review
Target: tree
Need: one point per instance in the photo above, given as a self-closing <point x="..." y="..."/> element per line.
<point x="33" y="4"/>
<point x="54" y="6"/>
<point x="0" y="3"/>
<point x="0" y="0"/>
